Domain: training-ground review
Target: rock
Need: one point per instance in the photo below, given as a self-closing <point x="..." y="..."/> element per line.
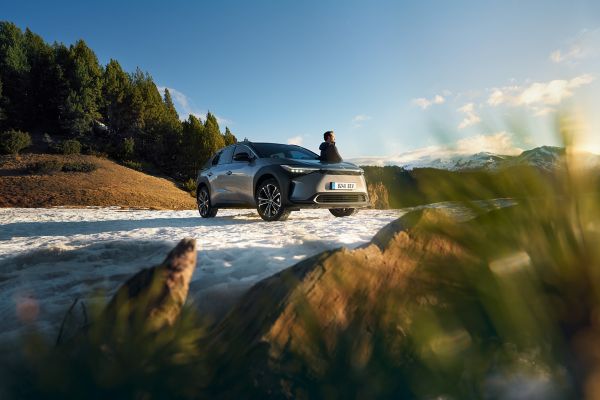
<point x="378" y="196"/>
<point x="153" y="297"/>
<point x="329" y="311"/>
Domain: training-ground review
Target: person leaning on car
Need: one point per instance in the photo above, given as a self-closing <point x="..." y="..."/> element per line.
<point x="329" y="152"/>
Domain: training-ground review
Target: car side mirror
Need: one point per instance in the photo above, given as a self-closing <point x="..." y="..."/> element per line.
<point x="243" y="156"/>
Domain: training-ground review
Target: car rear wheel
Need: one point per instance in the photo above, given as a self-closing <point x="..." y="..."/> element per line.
<point x="343" y="212"/>
<point x="269" y="202"/>
<point x="205" y="209"/>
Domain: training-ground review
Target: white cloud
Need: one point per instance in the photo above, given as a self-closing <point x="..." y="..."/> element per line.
<point x="422" y="102"/>
<point x="497" y="143"/>
<point x="185" y="106"/>
<point x="557" y="56"/>
<point x="296" y="140"/>
<point x="357" y="120"/>
<point x="426" y="103"/>
<point x="538" y="96"/>
<point x="470" y="118"/>
<point x="361" y="118"/>
<point x="585" y="45"/>
<point x="553" y="92"/>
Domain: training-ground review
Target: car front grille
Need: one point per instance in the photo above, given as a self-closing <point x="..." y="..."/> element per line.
<point x="341" y="198"/>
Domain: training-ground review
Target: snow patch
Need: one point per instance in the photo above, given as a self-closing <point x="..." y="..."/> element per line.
<point x="48" y="257"/>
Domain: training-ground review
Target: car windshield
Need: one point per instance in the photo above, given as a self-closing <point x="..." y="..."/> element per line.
<point x="274" y="150"/>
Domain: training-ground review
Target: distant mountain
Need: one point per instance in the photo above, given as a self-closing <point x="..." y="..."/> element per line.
<point x="544" y="157"/>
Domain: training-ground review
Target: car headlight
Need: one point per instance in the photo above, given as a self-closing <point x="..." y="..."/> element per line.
<point x="299" y="170"/>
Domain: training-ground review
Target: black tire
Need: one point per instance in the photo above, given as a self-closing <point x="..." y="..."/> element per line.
<point x="205" y="209"/>
<point x="269" y="202"/>
<point x="343" y="212"/>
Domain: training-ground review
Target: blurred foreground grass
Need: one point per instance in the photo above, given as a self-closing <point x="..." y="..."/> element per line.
<point x="505" y="305"/>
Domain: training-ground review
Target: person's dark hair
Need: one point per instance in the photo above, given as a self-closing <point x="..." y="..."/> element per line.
<point x="326" y="134"/>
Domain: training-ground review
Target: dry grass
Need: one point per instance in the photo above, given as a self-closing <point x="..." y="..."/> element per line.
<point x="109" y="185"/>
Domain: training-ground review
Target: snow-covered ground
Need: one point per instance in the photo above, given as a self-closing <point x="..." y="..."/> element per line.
<point x="49" y="257"/>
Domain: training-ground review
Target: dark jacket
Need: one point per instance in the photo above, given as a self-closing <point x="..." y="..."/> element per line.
<point x="329" y="153"/>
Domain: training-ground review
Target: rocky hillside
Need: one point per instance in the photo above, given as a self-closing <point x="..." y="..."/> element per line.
<point x="44" y="180"/>
<point x="378" y="196"/>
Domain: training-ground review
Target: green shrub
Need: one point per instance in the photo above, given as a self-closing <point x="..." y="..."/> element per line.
<point x="13" y="141"/>
<point x="127" y="147"/>
<point x="79" y="167"/>
<point x="45" y="167"/>
<point x="99" y="154"/>
<point x="190" y="186"/>
<point x="71" y="146"/>
<point x="133" y="165"/>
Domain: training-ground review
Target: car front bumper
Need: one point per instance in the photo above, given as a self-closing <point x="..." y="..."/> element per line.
<point x="315" y="191"/>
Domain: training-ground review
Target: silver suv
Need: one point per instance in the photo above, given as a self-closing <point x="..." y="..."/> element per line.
<point x="277" y="179"/>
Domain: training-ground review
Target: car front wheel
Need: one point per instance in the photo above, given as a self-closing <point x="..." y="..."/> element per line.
<point x="269" y="202"/>
<point x="205" y="209"/>
<point x="343" y="212"/>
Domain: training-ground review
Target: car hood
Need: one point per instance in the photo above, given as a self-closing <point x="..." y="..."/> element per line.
<point x="341" y="166"/>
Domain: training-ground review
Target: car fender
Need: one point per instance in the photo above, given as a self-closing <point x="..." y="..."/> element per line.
<point x="282" y="178"/>
<point x="203" y="180"/>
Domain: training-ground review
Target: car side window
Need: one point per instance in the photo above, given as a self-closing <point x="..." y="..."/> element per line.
<point x="226" y="155"/>
<point x="241" y="149"/>
<point x="215" y="159"/>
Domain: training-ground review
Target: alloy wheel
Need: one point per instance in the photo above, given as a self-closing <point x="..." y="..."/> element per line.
<point x="269" y="200"/>
<point x="203" y="203"/>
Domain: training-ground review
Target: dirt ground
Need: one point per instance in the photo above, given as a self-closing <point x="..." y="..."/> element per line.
<point x="109" y="185"/>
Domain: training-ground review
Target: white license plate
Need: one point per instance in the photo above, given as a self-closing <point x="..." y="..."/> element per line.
<point x="342" y="186"/>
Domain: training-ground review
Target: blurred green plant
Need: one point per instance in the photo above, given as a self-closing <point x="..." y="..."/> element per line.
<point x="99" y="361"/>
<point x="45" y="167"/>
<point x="133" y="165"/>
<point x="127" y="148"/>
<point x="190" y="186"/>
<point x="71" y="146"/>
<point x="13" y="141"/>
<point x="79" y="167"/>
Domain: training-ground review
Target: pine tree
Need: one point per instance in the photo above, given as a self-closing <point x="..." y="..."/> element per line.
<point x="116" y="96"/>
<point x="14" y="73"/>
<point x="214" y="140"/>
<point x="153" y="115"/>
<point x="193" y="152"/>
<point x="2" y="116"/>
<point x="171" y="111"/>
<point x="172" y="134"/>
<point x="47" y="84"/>
<point x="228" y="137"/>
<point x="81" y="107"/>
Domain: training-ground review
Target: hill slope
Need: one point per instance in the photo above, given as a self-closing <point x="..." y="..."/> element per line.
<point x="109" y="185"/>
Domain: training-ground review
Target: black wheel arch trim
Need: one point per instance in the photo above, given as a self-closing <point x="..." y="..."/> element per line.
<point x="280" y="176"/>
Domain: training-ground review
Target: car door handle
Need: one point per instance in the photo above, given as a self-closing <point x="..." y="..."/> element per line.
<point x="229" y="172"/>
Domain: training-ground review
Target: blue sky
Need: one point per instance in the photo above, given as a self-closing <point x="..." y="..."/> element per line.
<point x="389" y="77"/>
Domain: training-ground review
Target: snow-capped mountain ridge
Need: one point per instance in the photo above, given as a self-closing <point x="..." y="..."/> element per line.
<point x="544" y="157"/>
